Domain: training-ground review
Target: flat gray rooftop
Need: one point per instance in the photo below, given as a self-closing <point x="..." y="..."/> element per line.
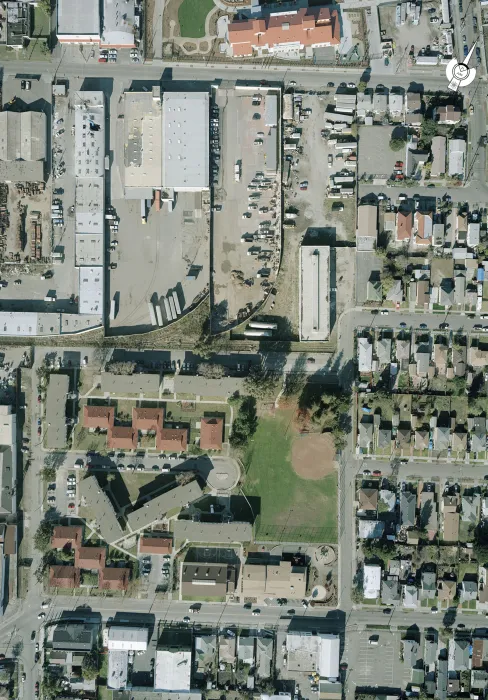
<point x="314" y="292"/>
<point x="78" y="18"/>
<point x="56" y="411"/>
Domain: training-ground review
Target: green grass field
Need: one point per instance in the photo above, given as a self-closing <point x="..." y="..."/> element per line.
<point x="192" y="15"/>
<point x="292" y="509"/>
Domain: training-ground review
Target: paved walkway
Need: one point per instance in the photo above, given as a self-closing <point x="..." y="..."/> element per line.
<point x="208" y="39"/>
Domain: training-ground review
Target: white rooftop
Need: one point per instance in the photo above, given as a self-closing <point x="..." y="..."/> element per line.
<point x="118" y="23"/>
<point x="89" y="134"/>
<point x="89" y="249"/>
<point x="78" y="19"/>
<point x="457" y="153"/>
<point x="89" y="204"/>
<point x="186" y="140"/>
<point x="329" y="652"/>
<point x="127" y="638"/>
<point x="372" y="581"/>
<point x="118" y="662"/>
<point x="314" y="292"/>
<point x="91" y="290"/>
<point x="172" y="670"/>
<point x="143" y="128"/>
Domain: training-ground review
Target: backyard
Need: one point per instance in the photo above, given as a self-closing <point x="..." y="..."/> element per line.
<point x="291" y="508"/>
<point x="192" y="15"/>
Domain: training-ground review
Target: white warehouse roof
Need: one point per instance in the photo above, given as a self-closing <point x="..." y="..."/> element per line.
<point x="91" y="290"/>
<point x="314" y="292"/>
<point x="172" y="670"/>
<point x="186" y="140"/>
<point x="118" y="23"/>
<point x="372" y="581"/>
<point x="329" y="656"/>
<point x="127" y="638"/>
<point x="78" y="21"/>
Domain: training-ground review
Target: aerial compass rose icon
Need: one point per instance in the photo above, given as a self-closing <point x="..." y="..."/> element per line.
<point x="460" y="74"/>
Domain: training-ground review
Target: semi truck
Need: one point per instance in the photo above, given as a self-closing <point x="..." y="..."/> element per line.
<point x="167" y="309"/>
<point x="159" y="315"/>
<point x="112" y="310"/>
<point x="177" y="303"/>
<point x="152" y="315"/>
<point x="237" y="172"/>
<point x="263" y="326"/>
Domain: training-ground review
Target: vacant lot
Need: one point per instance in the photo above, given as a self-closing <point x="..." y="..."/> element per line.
<point x="291" y="509"/>
<point x="192" y="15"/>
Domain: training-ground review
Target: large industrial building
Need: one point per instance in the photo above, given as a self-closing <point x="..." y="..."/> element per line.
<point x="56" y="411"/>
<point x="22" y="146"/>
<point x="172" y="667"/>
<point x="89" y="200"/>
<point x="83" y="23"/>
<point x="314" y="292"/>
<point x="309" y="653"/>
<point x="166" y="142"/>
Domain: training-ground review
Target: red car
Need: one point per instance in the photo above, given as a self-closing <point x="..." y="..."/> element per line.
<point x="39" y="430"/>
<point x="36" y="688"/>
<point x="39" y="398"/>
<point x="376" y="472"/>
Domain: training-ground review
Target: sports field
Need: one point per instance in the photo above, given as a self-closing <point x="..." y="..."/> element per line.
<point x="191" y="17"/>
<point x="293" y="508"/>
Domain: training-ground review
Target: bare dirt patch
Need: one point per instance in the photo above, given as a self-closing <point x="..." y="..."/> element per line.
<point x="171" y="13"/>
<point x="313" y="456"/>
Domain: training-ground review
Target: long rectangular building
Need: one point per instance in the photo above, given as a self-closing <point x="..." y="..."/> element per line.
<point x="219" y="533"/>
<point x="157" y="507"/>
<point x="56" y="411"/>
<point x="314" y="292"/>
<point x="102" y="509"/>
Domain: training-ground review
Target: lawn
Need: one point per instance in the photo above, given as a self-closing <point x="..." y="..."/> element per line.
<point x="291" y="508"/>
<point x="192" y="15"/>
<point x="41" y="23"/>
<point x="84" y="440"/>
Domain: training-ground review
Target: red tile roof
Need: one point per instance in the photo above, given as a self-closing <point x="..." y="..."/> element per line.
<point x="155" y="545"/>
<point x="113" y="579"/>
<point x="121" y="437"/>
<point x="404" y="226"/>
<point x="173" y="440"/>
<point x="308" y="26"/>
<point x="147" y="418"/>
<point x="64" y="576"/>
<point x="211" y="433"/>
<point x="98" y="416"/>
<point x="90" y="557"/>
<point x="66" y="534"/>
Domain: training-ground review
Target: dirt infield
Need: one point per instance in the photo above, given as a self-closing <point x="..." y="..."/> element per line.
<point x="313" y="456"/>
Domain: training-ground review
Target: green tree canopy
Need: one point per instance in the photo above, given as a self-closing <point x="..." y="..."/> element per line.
<point x="42" y="538"/>
<point x="397" y="144"/>
<point x="89" y="667"/>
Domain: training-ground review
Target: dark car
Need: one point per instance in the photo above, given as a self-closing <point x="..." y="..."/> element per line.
<point x="461" y="626"/>
<point x="330" y="84"/>
<point x="386" y="611"/>
<point x="465" y="50"/>
<point x="443" y="326"/>
<point x="423" y="325"/>
<point x="403" y="324"/>
<point x="39" y="430"/>
<point x="256" y="116"/>
<point x="291" y="612"/>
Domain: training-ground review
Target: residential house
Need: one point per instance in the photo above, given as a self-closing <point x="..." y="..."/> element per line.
<point x="404" y="226"/>
<point x="478" y="356"/>
<point x="368" y="500"/>
<point x="458" y="658"/>
<point x="374" y="290"/>
<point x="448" y="114"/>
<point x="415" y="161"/>
<point x="384" y="437"/>
<point x="364" y="104"/>
<point x="457" y="157"/>
<point x="480" y="653"/>
<point x="438" y="149"/>
<point x="403" y="351"/>
<point x="438" y="235"/>
<point x="365" y="355"/>
<point x="407" y="509"/>
<point x="380" y="103"/>
<point x="395" y="106"/>
<point x="459" y="288"/>
<point x="473" y="237"/>
<point x="404" y="433"/>
<point x="477" y="429"/>
<point x="395" y="295"/>
<point x="421" y="439"/>
<point x="427" y="585"/>
<point x="479" y="681"/>
<point x="423" y="224"/>
<point x="174" y="440"/>
<point x="69" y="536"/>
<point x="388" y="499"/>
<point x="410" y="597"/>
<point x="430" y="649"/>
<point x="469" y="590"/>
<point x="366" y="433"/>
<point x="391" y="591"/>
<point x="440" y="358"/>
<point x="470" y="508"/>
<point x="371" y="581"/>
<point x="422" y="357"/>
<point x="370" y="529"/>
<point x="461" y="227"/>
<point x="114" y="579"/>
<point x="423" y="293"/>
<point x="61" y="576"/>
<point x="483" y="585"/>
<point x="446" y="293"/>
<point x="411" y="652"/>
<point x="459" y="356"/>
<point x="446" y="590"/>
<point x="428" y="513"/>
<point x="441" y="689"/>
<point x="383" y="351"/>
<point x="211" y="433"/>
<point x="367" y="230"/>
<point x="442" y="438"/>
<point x="451" y="518"/>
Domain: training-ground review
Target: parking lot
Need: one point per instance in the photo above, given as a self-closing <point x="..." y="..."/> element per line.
<point x="420" y="36"/>
<point x="250" y="204"/>
<point x="378" y="665"/>
<point x="156" y="258"/>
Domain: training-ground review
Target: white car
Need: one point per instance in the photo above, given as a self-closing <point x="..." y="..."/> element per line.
<point x="292" y="83"/>
<point x="384" y="312"/>
<point x="41" y="616"/>
<point x="484" y="316"/>
<point x="256" y="613"/>
<point x="45" y="606"/>
<point x="351" y="85"/>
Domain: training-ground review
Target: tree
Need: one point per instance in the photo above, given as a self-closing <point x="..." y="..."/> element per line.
<point x="46" y="6"/>
<point x="397" y="144"/>
<point x="210" y="370"/>
<point x="245" y="423"/>
<point x="297" y="378"/>
<point x="480" y="544"/>
<point x="121" y="367"/>
<point x="428" y="130"/>
<point x="48" y="473"/>
<point x="42" y="538"/>
<point x="263" y="384"/>
<point x="362" y="86"/>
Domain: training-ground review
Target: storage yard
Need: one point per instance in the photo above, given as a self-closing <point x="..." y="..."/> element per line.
<point x="247" y="211"/>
